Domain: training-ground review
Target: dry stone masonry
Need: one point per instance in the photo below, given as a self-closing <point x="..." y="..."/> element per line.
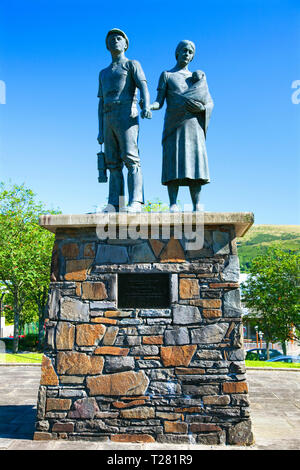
<point x="171" y="375"/>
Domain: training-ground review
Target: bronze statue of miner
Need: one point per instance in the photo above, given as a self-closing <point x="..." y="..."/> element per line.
<point x="118" y="121"/>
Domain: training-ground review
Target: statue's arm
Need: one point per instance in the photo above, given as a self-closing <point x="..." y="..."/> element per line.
<point x="161" y="92"/>
<point x="159" y="102"/>
<point x="145" y="100"/>
<point x="100" y="137"/>
<point x="100" y="121"/>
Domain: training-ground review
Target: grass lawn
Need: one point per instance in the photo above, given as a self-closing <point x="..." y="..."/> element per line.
<point x="26" y="357"/>
<point x="293" y="365"/>
<point x="37" y="358"/>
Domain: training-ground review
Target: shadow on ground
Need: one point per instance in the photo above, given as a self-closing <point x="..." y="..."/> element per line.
<point x="17" y="421"/>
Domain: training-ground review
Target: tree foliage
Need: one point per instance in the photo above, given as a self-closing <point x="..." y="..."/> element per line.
<point x="25" y="251"/>
<point x="271" y="294"/>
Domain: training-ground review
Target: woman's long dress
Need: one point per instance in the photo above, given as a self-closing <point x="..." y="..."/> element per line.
<point x="184" y="149"/>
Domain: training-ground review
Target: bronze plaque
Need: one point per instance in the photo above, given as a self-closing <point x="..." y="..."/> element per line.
<point x="143" y="291"/>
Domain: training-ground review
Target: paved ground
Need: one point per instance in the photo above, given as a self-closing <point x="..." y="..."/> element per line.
<point x="275" y="405"/>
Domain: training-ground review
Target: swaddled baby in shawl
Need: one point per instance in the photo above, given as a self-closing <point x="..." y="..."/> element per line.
<point x="198" y="93"/>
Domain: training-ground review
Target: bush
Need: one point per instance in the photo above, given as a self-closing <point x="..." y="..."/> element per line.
<point x="29" y="343"/>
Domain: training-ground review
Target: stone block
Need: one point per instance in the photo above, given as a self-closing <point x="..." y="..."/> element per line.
<point x="74" y="310"/>
<point x="143" y="412"/>
<point x="204" y="427"/>
<point x="75" y="363"/>
<point x="241" y="434"/>
<point x="122" y="383"/>
<point x="216" y="400"/>
<point x="213" y="313"/>
<point x="153" y="340"/>
<point x="175" y="427"/>
<point x="76" y="270"/>
<point x="164" y="388"/>
<point x="112" y="351"/>
<point x="65" y="334"/>
<point x="210" y="303"/>
<point x="84" y="408"/>
<point x="235" y="387"/>
<point x="70" y="250"/>
<point x="89" y="250"/>
<point x="63" y="427"/>
<point x="53" y="303"/>
<point x="58" y="404"/>
<point x="94" y="291"/>
<point x="189" y="288"/>
<point x="111" y="254"/>
<point x="189" y="371"/>
<point x="231" y="271"/>
<point x="48" y="374"/>
<point x="101" y="305"/>
<point x="156" y="246"/>
<point x="42" y="436"/>
<point x="89" y="334"/>
<point x="177" y="355"/>
<point x="136" y="438"/>
<point x="232" y="303"/>
<point x="142" y="253"/>
<point x="186" y="314"/>
<point x="147" y="350"/>
<point x="119" y="364"/>
<point x="155" y="313"/>
<point x="179" y="335"/>
<point x="209" y="334"/>
<point x="221" y="242"/>
<point x="110" y="335"/>
<point x="173" y="252"/>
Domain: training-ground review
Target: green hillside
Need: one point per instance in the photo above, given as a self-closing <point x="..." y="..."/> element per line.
<point x="260" y="237"/>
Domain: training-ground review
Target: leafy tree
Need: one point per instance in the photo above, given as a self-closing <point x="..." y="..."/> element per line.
<point x="271" y="293"/>
<point x="25" y="251"/>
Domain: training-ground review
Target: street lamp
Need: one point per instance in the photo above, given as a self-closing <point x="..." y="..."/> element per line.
<point x="260" y="337"/>
<point x="256" y="331"/>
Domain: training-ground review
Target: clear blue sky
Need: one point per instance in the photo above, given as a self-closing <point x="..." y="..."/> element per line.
<point x="52" y="50"/>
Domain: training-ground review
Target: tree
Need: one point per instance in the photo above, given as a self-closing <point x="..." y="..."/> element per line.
<point x="271" y="293"/>
<point x="25" y="250"/>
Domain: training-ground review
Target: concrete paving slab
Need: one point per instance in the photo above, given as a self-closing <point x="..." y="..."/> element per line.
<point x="275" y="412"/>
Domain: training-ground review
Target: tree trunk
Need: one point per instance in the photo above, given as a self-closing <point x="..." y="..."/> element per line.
<point x="268" y="349"/>
<point x="41" y="326"/>
<point x="42" y="303"/>
<point x="16" y="328"/>
<point x="283" y="345"/>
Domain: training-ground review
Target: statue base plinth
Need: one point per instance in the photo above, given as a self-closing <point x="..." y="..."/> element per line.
<point x="144" y="332"/>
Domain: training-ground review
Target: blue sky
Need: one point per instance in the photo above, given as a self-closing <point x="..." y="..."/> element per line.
<point x="52" y="51"/>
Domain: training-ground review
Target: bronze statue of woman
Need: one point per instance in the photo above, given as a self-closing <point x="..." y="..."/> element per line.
<point x="189" y="107"/>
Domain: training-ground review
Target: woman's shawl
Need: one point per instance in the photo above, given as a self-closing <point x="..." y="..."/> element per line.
<point x="176" y="112"/>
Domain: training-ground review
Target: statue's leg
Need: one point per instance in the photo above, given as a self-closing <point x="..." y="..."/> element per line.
<point x="173" y="188"/>
<point x="130" y="156"/>
<point x="195" y="189"/>
<point x="114" y="164"/>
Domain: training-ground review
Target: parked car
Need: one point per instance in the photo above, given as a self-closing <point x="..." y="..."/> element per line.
<point x="289" y="359"/>
<point x="260" y="354"/>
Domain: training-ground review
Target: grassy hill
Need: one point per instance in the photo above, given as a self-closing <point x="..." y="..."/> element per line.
<point x="260" y="237"/>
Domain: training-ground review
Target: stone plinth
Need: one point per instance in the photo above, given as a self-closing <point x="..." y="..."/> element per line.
<point x="142" y="374"/>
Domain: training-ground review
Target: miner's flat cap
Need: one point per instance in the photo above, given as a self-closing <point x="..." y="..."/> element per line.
<point x="117" y="31"/>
